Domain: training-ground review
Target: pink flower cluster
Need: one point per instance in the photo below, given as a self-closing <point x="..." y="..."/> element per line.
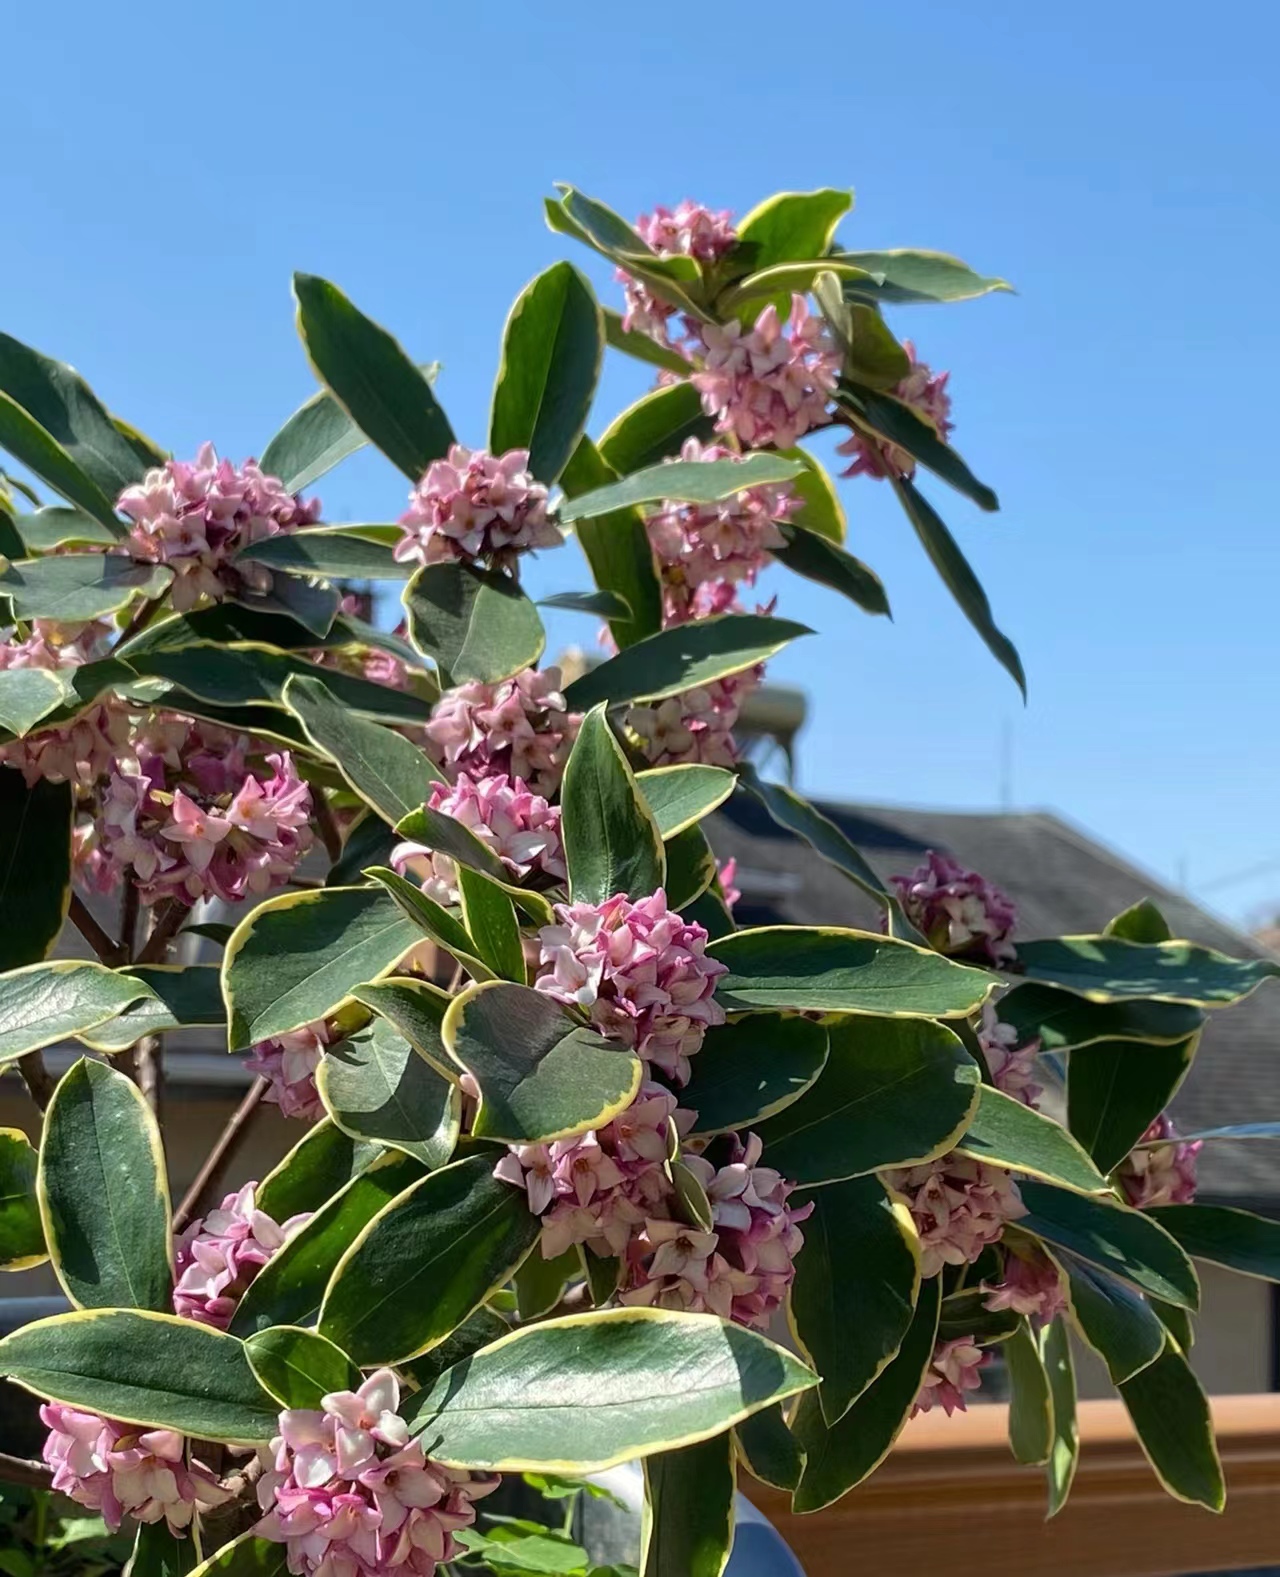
<point x="688" y="230"/>
<point x="519" y="826"/>
<point x="954" y="1369"/>
<point x="925" y="392"/>
<point x="1161" y="1168"/>
<point x="82" y="750"/>
<point x="218" y="1256"/>
<point x="960" y="912"/>
<point x="768" y="384"/>
<point x="1032" y="1286"/>
<point x="475" y="505"/>
<point x="642" y="972"/>
<point x="289" y="1064"/>
<point x="351" y="1495"/>
<point x="958" y="1205"/>
<point x="520" y="727"/>
<point x="695" y="725"/>
<point x="120" y="1469"/>
<point x="1012" y="1066"/>
<point x="195" y="516"/>
<point x="194" y="821"/>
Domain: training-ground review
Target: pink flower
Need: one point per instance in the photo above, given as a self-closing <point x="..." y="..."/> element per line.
<point x="1012" y="1066"/>
<point x="960" y="912"/>
<point x="689" y="230"/>
<point x="289" y="1062"/>
<point x="641" y="971"/>
<point x="1032" y="1286"/>
<point x="520" y="727"/>
<point x="195" y="516"/>
<point x="352" y="1496"/>
<point x="82" y="750"/>
<point x="958" y="1206"/>
<point x="120" y="1469"/>
<point x="926" y="393"/>
<point x="51" y="644"/>
<point x="1161" y="1168"/>
<point x="475" y="505"/>
<point x="731" y="894"/>
<point x="769" y="384"/>
<point x="218" y="1256"/>
<point x="953" y="1370"/>
<point x="520" y="828"/>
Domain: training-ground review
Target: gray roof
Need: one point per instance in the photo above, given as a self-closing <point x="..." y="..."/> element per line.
<point x="1064" y="882"/>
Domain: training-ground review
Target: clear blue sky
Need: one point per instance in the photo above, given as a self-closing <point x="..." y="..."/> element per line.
<point x="169" y="165"/>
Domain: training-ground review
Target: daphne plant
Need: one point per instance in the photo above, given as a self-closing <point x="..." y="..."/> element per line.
<point x="585" y="1173"/>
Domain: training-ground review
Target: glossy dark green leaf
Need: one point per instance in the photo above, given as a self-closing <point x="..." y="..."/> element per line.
<point x="753" y="1068"/>
<point x="681" y="796"/>
<point x="34" y="447"/>
<point x="617" y="549"/>
<point x="828" y="564"/>
<point x="1171" y="1415"/>
<point x="445" y="834"/>
<point x="893" y="1092"/>
<point x="792" y="226"/>
<point x="633" y="343"/>
<point x="1238" y="1239"/>
<point x="892" y="418"/>
<point x="1064" y="1450"/>
<point x="27" y="696"/>
<point x="181" y="996"/>
<point x="611" y="840"/>
<point x="1061" y="1021"/>
<point x="150" y="1369"/>
<point x="35" y="865"/>
<point x="246" y="1556"/>
<point x="583" y="1393"/>
<point x="493" y="925"/>
<point x="711" y="912"/>
<point x="691" y="481"/>
<point x="297" y="956"/>
<point x="430" y="919"/>
<point x="316" y="437"/>
<point x="540" y="1283"/>
<point x="965" y="1313"/>
<point x="417" y="1009"/>
<point x="855" y="1290"/>
<point x="78" y="586"/>
<point x="869" y="354"/>
<point x="1005" y="1132"/>
<point x="376" y="1087"/>
<point x="332" y="551"/>
<point x="55" y="526"/>
<point x="687" y="1525"/>
<point x="1177" y="1322"/>
<point x="746" y="298"/>
<point x="675" y="279"/>
<point x="369" y="374"/>
<point x="159" y="1552"/>
<point x="476" y="1331"/>
<point x="46" y="1003"/>
<point x="370" y="841"/>
<point x="22" y="1242"/>
<point x="767" y="1448"/>
<point x="1107" y="969"/>
<point x="840" y="1456"/>
<point x="1030" y="1403"/>
<point x="1115" y="1090"/>
<point x="474" y="624"/>
<point x="600" y="604"/>
<point x="299" y="1367"/>
<point x="655" y="428"/>
<point x="322" y="1162"/>
<point x="691" y="867"/>
<point x="426" y="1262"/>
<point x="908" y="275"/>
<point x="1118" y="1324"/>
<point x="542" y="1074"/>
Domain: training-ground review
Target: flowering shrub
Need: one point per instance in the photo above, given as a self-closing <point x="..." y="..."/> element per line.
<point x="631" y="1142"/>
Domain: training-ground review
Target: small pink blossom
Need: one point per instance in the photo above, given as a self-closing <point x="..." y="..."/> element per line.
<point x="1032" y="1286"/>
<point x="925" y="391"/>
<point x="475" y="505"/>
<point x="960" y="912"/>
<point x="218" y="1256"/>
<point x="1161" y="1168"/>
<point x="289" y="1063"/>
<point x="520" y="727"/>
<point x="729" y="890"/>
<point x="1012" y="1066"/>
<point x="958" y="1206"/>
<point x="688" y="230"/>
<point x="80" y="751"/>
<point x="954" y="1369"/>
<point x="695" y="725"/>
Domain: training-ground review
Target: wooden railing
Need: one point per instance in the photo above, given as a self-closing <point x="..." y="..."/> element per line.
<point x="951" y="1502"/>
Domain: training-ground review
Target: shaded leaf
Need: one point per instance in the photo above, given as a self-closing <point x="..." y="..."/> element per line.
<point x="655" y="428"/>
<point x="753" y="1068"/>
<point x="34" y="447"/>
<point x="46" y="1003"/>
<point x="1061" y="1021"/>
<point x="682" y="795"/>
<point x="611" y="840"/>
<point x="332" y="551"/>
<point x="1116" y="1088"/>
<point x="179" y="996"/>
<point x="889" y="417"/>
<point x="687" y="1525"/>
<point x="1030" y="1402"/>
<point x="1107" y="969"/>
<point x="617" y="548"/>
<point x="1064" y="1450"/>
<point x="767" y="1448"/>
<point x="35" y="865"/>
<point x="492" y="923"/>
<point x="1171" y="1415"/>
<point x="376" y="1087"/>
<point x="1238" y="1239"/>
<point x="323" y="1161"/>
<point x="1005" y="1132"/>
<point x="316" y="437"/>
<point x="78" y="586"/>
<point x="644" y="348"/>
<point x="1114" y="1321"/>
<point x="691" y="481"/>
<point x="474" y="624"/>
<point x="299" y="1367"/>
<point x="430" y="919"/>
<point x="823" y="561"/>
<point x="604" y="604"/>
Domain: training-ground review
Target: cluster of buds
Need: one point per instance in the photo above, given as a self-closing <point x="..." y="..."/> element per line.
<point x="642" y="973"/>
<point x="519" y="727"/>
<point x="521" y="828"/>
<point x="288" y="1063"/>
<point x="351" y="1495"/>
<point x="688" y="230"/>
<point x="218" y="1256"/>
<point x="960" y="912"/>
<point x="925" y="391"/>
<point x="194" y="821"/>
<point x="1160" y="1169"/>
<point x="81" y="750"/>
<point x="1012" y="1066"/>
<point x="119" y="1469"/>
<point x="195" y="516"/>
<point x="958" y="1205"/>
<point x="955" y="1368"/>
<point x="475" y="505"/>
<point x="1032" y="1286"/>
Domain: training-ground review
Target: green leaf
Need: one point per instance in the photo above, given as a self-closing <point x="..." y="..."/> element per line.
<point x="1106" y="969"/>
<point x="1030" y="1404"/>
<point x="888" y="417"/>
<point x="611" y="840"/>
<point x="445" y="834"/>
<point x="429" y="919"/>
<point x="1140" y="922"/>
<point x="911" y="276"/>
<point x="515" y="1549"/>
<point x="26" y="696"/>
<point x="159" y="1552"/>
<point x="332" y="551"/>
<point x="791" y="226"/>
<point x="1171" y="1415"/>
<point x="1064" y="1451"/>
<point x="383" y="767"/>
<point x="681" y="796"/>
<point x="150" y="1369"/>
<point x="476" y="1331"/>
<point x="299" y="1367"/>
<point x="633" y="343"/>
<point x="675" y="279"/>
<point x="1119" y="1325"/>
<point x="22" y="1242"/>
<point x="839" y="1457"/>
<point x="370" y="841"/>
<point x="104" y="1198"/>
<point x="181" y="996"/>
<point x="247" y="1556"/>
<point x="369" y="374"/>
<point x="290" y="1288"/>
<point x="426" y="1262"/>
<point x="375" y="1086"/>
<point x="1115" y="1089"/>
<point x="690" y="481"/>
<point x="1125" y="1242"/>
<point x="870" y="356"/>
<point x="34" y="447"/>
<point x="476" y="625"/>
<point x="323" y="1161"/>
<point x="35" y="864"/>
<point x="46" y="1003"/>
<point x="1062" y="1021"/>
<point x="491" y="921"/>
<point x="580" y="1394"/>
<point x="542" y="1074"/>
<point x="1006" y="1133"/>
<point x="552" y="349"/>
<point x="1238" y="1239"/>
<point x="856" y="1284"/>
<point x="894" y="1092"/>
<point x="539" y="1283"/>
<point x="753" y="1068"/>
<point x="655" y="428"/>
<point x="957" y="576"/>
<point x="965" y="1313"/>
<point x="778" y="284"/>
<point x="316" y="437"/>
<point x="296" y="957"/>
<point x="680" y="658"/>
<point x="823" y="561"/>
<point x="1177" y="1322"/>
<point x="617" y="549"/>
<point x="710" y="912"/>
<point x="603" y="604"/>
<point x="767" y="1448"/>
<point x="54" y="526"/>
<point x="827" y="969"/>
<point x="687" y="1526"/>
<point x="76" y="586"/>
<point x="417" y="1010"/>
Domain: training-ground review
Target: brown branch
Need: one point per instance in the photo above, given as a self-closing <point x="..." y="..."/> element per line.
<point x="129" y="916"/>
<point x="111" y="953"/>
<point x="149" y="1069"/>
<point x="163" y="932"/>
<point x="328" y="828"/>
<point x="21" y="1470"/>
<point x="39" y="1081"/>
<point x="221" y="1156"/>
